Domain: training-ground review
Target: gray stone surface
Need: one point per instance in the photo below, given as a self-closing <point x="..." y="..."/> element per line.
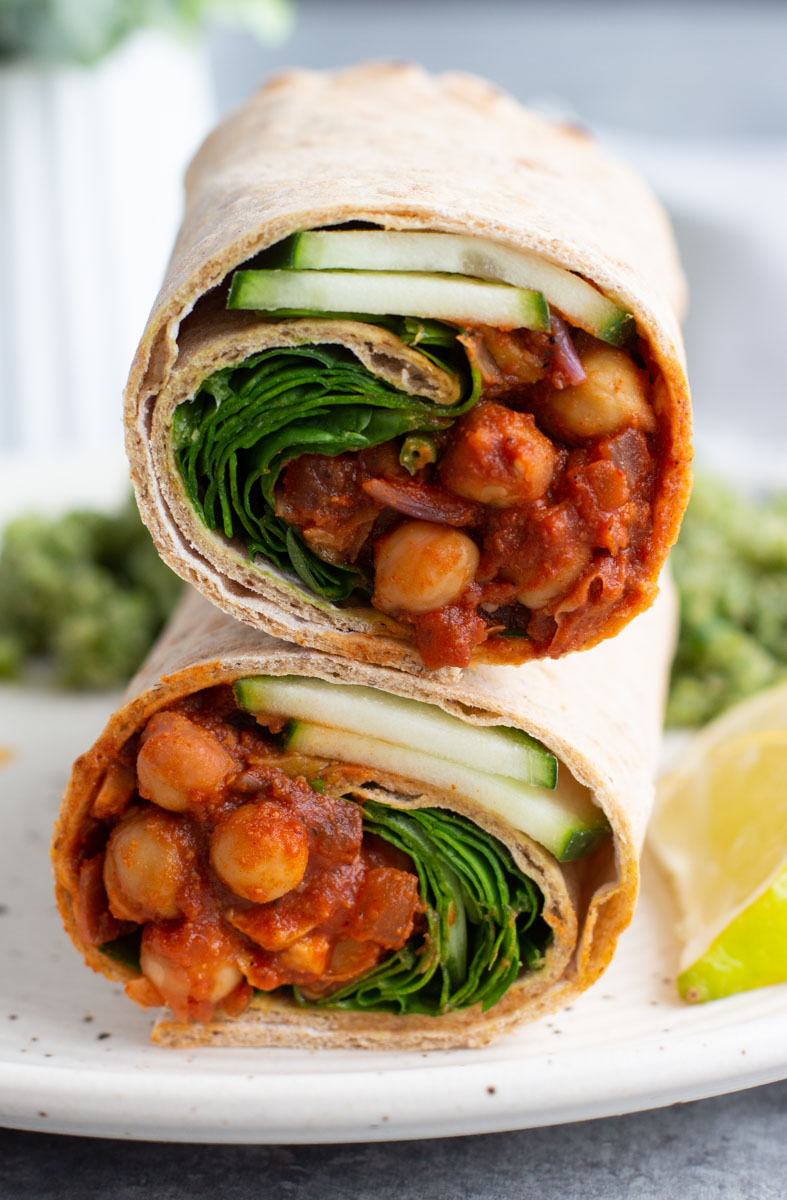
<point x="731" y="1148"/>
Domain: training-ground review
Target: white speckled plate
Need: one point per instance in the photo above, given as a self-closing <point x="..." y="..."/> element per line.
<point x="75" y="1056"/>
<point x="74" y="1053"/>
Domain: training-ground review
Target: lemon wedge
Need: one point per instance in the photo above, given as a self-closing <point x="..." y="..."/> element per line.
<point x="720" y="830"/>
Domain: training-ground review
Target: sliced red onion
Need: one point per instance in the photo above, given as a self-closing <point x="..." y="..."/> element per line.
<point x="421" y="500"/>
<point x="567" y="361"/>
<point x="480" y="355"/>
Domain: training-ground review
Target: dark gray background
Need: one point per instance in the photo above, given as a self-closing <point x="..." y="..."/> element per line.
<point x="729" y="1148"/>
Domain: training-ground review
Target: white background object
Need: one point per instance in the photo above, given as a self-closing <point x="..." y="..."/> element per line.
<point x="91" y="165"/>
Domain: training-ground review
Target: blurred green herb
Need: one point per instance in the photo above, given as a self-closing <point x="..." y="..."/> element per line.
<point x="86" y="591"/>
<point x="84" y="31"/>
<point x="730" y="565"/>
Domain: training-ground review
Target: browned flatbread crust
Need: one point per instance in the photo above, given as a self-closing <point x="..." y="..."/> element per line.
<point x="599" y="712"/>
<point x="388" y="144"/>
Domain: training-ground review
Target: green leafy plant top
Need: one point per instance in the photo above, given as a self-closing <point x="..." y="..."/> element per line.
<point x="84" y="31"/>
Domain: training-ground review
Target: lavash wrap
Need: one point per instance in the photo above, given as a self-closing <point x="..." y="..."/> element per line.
<point x="599" y="712"/>
<point x="391" y="145"/>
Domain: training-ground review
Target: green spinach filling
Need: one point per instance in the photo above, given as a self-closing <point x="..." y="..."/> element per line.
<point x="483" y="920"/>
<point x="245" y="423"/>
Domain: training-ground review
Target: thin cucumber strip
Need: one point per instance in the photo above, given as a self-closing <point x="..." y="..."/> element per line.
<point x="490" y="748"/>
<point x="552" y="818"/>
<point x="413" y="294"/>
<point x="381" y="250"/>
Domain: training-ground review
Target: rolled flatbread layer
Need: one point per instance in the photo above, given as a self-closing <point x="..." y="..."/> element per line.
<point x="572" y="525"/>
<point x="598" y="713"/>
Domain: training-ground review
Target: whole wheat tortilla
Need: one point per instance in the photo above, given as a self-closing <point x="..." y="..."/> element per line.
<point x="599" y="712"/>
<point x="388" y="144"/>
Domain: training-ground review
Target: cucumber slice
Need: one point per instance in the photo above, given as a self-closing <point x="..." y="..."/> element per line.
<point x="565" y="822"/>
<point x="407" y="294"/>
<point x="394" y="719"/>
<point x="380" y="250"/>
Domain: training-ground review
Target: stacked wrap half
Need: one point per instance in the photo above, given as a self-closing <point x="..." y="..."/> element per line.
<point x="573" y="236"/>
<point x="599" y="713"/>
<point x="412" y="396"/>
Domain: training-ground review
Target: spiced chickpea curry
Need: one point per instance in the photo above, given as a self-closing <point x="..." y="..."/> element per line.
<point x="231" y="848"/>
<point x="413" y="389"/>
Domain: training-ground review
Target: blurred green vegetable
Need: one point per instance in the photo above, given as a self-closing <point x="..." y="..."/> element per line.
<point x="86" y="590"/>
<point x="730" y="565"/>
<point x="83" y="31"/>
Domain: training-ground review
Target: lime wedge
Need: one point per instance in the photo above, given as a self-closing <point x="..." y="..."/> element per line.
<point x="750" y="953"/>
<point x="720" y="831"/>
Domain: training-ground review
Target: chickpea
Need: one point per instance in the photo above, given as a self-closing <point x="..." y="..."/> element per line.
<point x="613" y="397"/>
<point x="143" y="993"/>
<point x="180" y="762"/>
<point x="557" y="554"/>
<point x="260" y="851"/>
<point x="117" y="789"/>
<point x="146" y="864"/>
<point x="539" y="593"/>
<point x="422" y="566"/>
<point x="308" y="956"/>
<point x="497" y="456"/>
<point x="193" y="966"/>
<point x="350" y="959"/>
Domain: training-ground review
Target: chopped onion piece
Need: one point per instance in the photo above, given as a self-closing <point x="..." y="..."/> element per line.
<point x="567" y="361"/>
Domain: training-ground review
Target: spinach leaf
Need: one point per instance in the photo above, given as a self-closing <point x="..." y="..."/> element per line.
<point x="245" y="423"/>
<point x="125" y="949"/>
<point x="483" y="920"/>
